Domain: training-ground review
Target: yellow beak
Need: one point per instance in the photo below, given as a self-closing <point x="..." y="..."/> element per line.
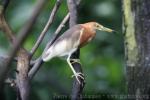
<point x="106" y="29"/>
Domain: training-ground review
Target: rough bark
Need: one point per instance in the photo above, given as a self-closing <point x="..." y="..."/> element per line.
<point x="137" y="44"/>
<point x="23" y="85"/>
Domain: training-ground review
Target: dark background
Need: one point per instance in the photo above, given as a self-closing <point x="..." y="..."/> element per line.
<point x="102" y="59"/>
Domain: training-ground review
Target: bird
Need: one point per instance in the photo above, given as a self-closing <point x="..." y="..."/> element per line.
<point x="74" y="38"/>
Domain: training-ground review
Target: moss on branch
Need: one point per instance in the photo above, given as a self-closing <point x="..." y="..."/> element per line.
<point x="130" y="40"/>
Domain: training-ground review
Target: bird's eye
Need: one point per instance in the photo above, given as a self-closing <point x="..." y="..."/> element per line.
<point x="97" y="25"/>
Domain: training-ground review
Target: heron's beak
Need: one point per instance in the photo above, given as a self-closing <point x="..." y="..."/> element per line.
<point x="106" y="29"/>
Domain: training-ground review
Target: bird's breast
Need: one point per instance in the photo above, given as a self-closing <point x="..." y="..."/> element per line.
<point x="86" y="37"/>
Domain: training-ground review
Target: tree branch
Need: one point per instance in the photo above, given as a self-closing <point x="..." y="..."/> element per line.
<point x="77" y="88"/>
<point x="50" y="21"/>
<point x="23" y="85"/>
<point x="23" y="35"/>
<point x="56" y="34"/>
<point x="6" y="29"/>
<point x="39" y="62"/>
<point x="73" y="12"/>
<point x="3" y="23"/>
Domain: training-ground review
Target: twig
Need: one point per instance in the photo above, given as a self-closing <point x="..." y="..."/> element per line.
<point x="77" y="88"/>
<point x="56" y="34"/>
<point x="35" y="68"/>
<point x="24" y="33"/>
<point x="50" y="21"/>
<point x="6" y="29"/>
<point x="62" y="24"/>
<point x="39" y="62"/>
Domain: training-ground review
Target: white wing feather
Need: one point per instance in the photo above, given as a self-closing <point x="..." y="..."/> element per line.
<point x="64" y="45"/>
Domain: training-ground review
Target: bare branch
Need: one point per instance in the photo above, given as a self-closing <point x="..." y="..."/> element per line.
<point x="23" y="34"/>
<point x="77" y="88"/>
<point x="6" y="29"/>
<point x="50" y="21"/>
<point x="35" y="68"/>
<point x="39" y="62"/>
<point x="73" y="12"/>
<point x="56" y="34"/>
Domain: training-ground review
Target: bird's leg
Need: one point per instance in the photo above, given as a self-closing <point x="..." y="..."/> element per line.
<point x="75" y="61"/>
<point x="76" y="74"/>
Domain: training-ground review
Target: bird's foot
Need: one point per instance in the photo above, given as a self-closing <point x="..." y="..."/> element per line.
<point x="77" y="75"/>
<point x="75" y="61"/>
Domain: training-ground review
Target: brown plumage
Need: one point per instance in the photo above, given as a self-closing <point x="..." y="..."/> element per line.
<point x="88" y="33"/>
<point x="74" y="38"/>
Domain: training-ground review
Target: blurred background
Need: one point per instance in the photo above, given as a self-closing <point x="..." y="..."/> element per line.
<point x="102" y="59"/>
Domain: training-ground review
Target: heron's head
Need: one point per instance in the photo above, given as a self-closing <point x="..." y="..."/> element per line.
<point x="96" y="26"/>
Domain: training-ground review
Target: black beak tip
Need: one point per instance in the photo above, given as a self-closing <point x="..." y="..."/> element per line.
<point x="115" y="32"/>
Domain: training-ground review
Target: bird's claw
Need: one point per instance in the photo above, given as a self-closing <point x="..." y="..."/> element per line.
<point x="77" y="75"/>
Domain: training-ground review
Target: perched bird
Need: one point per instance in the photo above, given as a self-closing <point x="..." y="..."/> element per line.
<point x="74" y="38"/>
